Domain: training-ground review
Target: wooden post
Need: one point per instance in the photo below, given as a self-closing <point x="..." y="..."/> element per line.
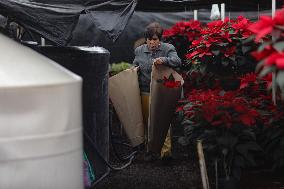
<point x="202" y="165"/>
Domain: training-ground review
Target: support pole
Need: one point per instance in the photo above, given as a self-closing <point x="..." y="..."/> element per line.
<point x="273" y="8"/>
<point x="42" y="41"/>
<point x="274" y="87"/>
<point x="195" y="15"/>
<point x="204" y="176"/>
<point x="223" y="11"/>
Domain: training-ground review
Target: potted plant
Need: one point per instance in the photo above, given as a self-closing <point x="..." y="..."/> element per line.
<point x="270" y="129"/>
<point x="181" y="35"/>
<point x="223" y="49"/>
<point x="225" y="122"/>
<point x="115" y="68"/>
<point x="269" y="34"/>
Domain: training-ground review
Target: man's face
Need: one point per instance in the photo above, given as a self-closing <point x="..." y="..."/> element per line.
<point x="153" y="43"/>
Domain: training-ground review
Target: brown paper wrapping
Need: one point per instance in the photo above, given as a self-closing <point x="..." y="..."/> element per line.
<point x="163" y="101"/>
<point x="124" y="93"/>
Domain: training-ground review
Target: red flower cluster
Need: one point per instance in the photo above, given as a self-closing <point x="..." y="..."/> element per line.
<point x="247" y="80"/>
<point x="219" y="39"/>
<point x="191" y="29"/>
<point x="218" y="108"/>
<point x="254" y="90"/>
<point x="220" y="44"/>
<point x="181" y="35"/>
<point x="267" y="24"/>
<point x="251" y="81"/>
<point x="170" y="82"/>
<point x="272" y="51"/>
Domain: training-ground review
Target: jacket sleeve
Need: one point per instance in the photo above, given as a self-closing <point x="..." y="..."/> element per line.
<point x="135" y="61"/>
<point x="172" y="58"/>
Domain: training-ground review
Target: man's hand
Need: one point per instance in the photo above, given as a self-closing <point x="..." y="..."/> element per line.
<point x="158" y="61"/>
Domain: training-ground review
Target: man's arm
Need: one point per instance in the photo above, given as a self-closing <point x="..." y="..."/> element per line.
<point x="171" y="59"/>
<point x="135" y="61"/>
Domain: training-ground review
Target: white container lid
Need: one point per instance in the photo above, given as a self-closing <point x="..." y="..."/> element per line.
<point x="21" y="66"/>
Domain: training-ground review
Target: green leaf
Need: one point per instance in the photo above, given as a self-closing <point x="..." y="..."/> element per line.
<point x="225" y="62"/>
<point x="216" y="52"/>
<point x="119" y="67"/>
<point x="187" y="122"/>
<point x="233" y="58"/>
<point x="202" y="68"/>
<point x="248" y="40"/>
<point x="171" y="77"/>
<point x="223" y="44"/>
<point x="275" y="35"/>
<point x="280" y="80"/>
<point x="266" y="70"/>
<point x="188" y="105"/>
<point x="279" y="46"/>
<point x="259" y="66"/>
<point x="244" y="150"/>
<point x="246" y="49"/>
<point x="227" y="141"/>
<point x="263" y="45"/>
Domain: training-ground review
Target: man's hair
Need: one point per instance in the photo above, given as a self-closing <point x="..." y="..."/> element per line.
<point x="153" y="29"/>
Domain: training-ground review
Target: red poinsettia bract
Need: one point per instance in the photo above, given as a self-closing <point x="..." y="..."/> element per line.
<point x="219" y="108"/>
<point x="266" y="24"/>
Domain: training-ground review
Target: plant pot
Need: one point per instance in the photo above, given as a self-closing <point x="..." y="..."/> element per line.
<point x="228" y="183"/>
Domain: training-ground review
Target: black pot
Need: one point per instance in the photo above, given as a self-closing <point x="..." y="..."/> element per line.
<point x="228" y="183"/>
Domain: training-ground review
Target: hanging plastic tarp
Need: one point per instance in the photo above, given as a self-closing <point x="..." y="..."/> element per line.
<point x="185" y="5"/>
<point x="123" y="48"/>
<point x="56" y="19"/>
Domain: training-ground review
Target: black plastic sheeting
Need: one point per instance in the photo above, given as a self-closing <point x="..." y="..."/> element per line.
<point x="180" y="5"/>
<point x="122" y="49"/>
<point x="56" y="19"/>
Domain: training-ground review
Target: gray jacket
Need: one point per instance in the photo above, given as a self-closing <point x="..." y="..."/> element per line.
<point x="144" y="59"/>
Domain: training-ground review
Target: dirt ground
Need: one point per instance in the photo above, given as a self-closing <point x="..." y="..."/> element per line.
<point x="181" y="173"/>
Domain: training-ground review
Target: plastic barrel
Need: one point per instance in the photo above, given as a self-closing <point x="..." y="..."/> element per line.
<point x="92" y="64"/>
<point x="40" y="121"/>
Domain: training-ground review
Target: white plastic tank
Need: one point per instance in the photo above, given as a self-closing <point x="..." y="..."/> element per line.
<point x="40" y="121"/>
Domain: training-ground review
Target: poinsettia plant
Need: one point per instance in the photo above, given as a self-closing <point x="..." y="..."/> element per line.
<point x="269" y="34"/>
<point x="224" y="121"/>
<point x="182" y="34"/>
<point x="170" y="82"/>
<point x="270" y="130"/>
<point x="223" y="48"/>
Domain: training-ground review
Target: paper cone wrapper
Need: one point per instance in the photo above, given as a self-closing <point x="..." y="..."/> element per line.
<point x="163" y="102"/>
<point x="124" y="93"/>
